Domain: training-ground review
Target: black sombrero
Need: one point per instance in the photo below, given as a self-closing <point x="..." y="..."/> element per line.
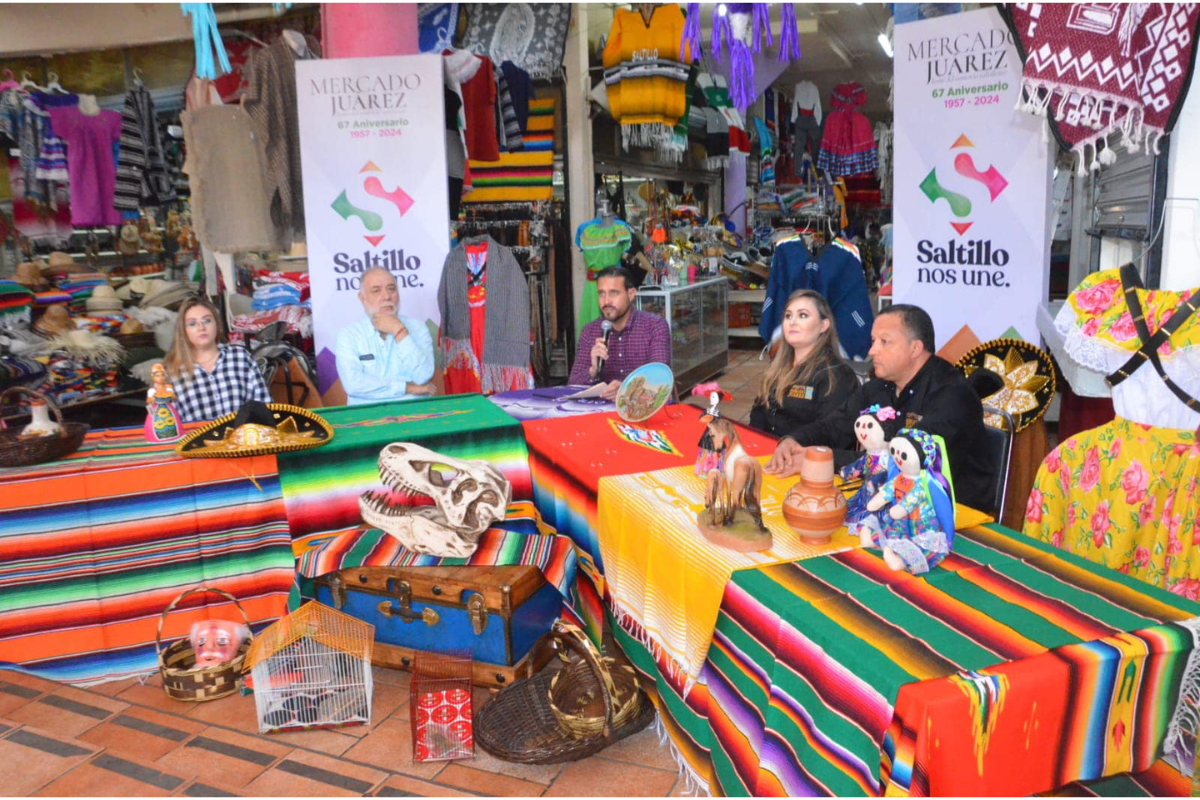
<point x="1023" y="383"/>
<point x="257" y="429"/>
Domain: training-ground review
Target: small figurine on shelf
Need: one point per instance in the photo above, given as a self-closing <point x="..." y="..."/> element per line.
<point x="917" y="531"/>
<point x="873" y="428"/>
<point x="732" y="515"/>
<point x="162" y="418"/>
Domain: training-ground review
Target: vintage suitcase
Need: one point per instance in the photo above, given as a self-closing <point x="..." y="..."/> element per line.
<point x="497" y="613"/>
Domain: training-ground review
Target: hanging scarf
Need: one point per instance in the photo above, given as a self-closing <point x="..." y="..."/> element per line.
<point x="1097" y="70"/>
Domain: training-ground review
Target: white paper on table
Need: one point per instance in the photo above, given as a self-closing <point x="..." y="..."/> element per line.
<point x="591" y="391"/>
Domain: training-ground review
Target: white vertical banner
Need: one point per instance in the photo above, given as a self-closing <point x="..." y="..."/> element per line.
<point x="972" y="180"/>
<point x="373" y="152"/>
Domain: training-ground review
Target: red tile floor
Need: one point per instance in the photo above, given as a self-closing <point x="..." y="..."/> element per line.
<point x="129" y="739"/>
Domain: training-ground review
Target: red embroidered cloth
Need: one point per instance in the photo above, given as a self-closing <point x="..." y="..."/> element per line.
<point x="1095" y="69"/>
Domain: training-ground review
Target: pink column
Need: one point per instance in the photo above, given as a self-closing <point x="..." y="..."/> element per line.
<point x="362" y="30"/>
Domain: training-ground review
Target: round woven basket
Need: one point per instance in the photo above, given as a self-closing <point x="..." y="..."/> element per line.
<point x="182" y="679"/>
<point x="520" y="725"/>
<point x="24" y="451"/>
<point x="577" y="691"/>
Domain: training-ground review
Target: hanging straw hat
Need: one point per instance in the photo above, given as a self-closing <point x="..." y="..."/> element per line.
<point x="1023" y="382"/>
<point x="55" y="321"/>
<point x="257" y="429"/>
<point x="104" y="299"/>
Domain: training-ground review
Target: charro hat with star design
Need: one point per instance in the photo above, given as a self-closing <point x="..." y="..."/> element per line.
<point x="1027" y="373"/>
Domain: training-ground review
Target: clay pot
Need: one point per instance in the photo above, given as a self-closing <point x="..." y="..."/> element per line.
<point x="814" y="507"/>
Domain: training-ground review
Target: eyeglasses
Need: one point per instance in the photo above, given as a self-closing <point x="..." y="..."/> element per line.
<point x="203" y="322"/>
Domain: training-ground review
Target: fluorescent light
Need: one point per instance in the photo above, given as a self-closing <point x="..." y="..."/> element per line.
<point x="885" y="44"/>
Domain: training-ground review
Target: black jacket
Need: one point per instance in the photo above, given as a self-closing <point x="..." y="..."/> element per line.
<point x="937" y="400"/>
<point x="806" y="405"/>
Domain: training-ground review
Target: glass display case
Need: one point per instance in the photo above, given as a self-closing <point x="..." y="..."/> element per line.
<point x="698" y="317"/>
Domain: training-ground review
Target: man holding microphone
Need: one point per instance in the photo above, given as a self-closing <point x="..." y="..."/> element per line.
<point x="622" y="340"/>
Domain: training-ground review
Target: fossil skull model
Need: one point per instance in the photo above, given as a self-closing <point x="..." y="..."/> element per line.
<point x="468" y="496"/>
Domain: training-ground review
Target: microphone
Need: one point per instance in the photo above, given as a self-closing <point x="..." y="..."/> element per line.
<point x="605" y="326"/>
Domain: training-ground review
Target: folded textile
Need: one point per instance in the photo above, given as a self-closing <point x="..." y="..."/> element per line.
<point x="299" y="320"/>
<point x="516" y="176"/>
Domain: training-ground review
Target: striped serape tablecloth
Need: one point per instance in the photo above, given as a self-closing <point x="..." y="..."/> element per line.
<point x="1011" y="668"/>
<point x="568" y="456"/>
<point x="321" y="487"/>
<point x="94" y="546"/>
<point x="661" y="573"/>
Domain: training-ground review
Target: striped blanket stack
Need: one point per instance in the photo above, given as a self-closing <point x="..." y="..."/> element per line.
<point x="524" y="175"/>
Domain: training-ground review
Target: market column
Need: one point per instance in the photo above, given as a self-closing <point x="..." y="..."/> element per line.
<point x="362" y="30"/>
<point x="580" y="166"/>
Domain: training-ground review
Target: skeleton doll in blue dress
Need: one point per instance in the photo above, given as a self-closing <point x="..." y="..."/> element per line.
<point x="873" y="428"/>
<point x="917" y="530"/>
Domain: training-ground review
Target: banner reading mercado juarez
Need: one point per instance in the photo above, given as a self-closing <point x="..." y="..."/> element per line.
<point x="972" y="180"/>
<point x="373" y="151"/>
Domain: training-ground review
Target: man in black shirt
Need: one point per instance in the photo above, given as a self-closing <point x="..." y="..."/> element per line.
<point x="926" y="390"/>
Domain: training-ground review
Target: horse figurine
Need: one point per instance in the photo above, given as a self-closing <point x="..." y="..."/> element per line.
<point x="736" y="483"/>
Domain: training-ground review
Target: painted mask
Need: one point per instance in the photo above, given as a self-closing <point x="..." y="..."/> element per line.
<point x="216" y="641"/>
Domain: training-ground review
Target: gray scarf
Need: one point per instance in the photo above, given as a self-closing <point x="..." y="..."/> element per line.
<point x="506" y="330"/>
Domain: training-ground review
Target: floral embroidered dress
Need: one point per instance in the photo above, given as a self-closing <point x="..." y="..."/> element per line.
<point x="1125" y="494"/>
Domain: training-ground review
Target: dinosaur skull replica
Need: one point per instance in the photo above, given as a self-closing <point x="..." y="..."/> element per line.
<point x="468" y="496"/>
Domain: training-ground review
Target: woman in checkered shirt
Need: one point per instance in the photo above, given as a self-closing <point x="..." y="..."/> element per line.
<point x="211" y="378"/>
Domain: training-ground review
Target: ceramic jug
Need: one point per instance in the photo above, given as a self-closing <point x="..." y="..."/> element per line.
<point x="41" y="424"/>
<point x="814" y="507"/>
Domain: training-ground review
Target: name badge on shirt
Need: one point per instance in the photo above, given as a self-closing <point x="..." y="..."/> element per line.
<point x="801" y="392"/>
<point x="367" y="357"/>
<point x="911" y="419"/>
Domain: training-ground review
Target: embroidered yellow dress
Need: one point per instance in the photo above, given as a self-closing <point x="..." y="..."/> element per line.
<point x="1125" y="494"/>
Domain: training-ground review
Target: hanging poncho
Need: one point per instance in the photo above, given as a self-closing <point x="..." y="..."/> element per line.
<point x="644" y="76"/>
<point x="1098" y="69"/>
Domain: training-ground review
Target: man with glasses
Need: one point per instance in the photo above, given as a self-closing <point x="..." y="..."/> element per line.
<point x="386" y="355"/>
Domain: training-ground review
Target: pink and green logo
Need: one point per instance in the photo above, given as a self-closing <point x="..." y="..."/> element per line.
<point x="964" y="164"/>
<point x="371" y="221"/>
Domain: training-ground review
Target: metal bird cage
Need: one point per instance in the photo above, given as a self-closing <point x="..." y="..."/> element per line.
<point x="312" y="669"/>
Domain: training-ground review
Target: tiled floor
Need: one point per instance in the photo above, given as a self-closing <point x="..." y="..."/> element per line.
<point x="740" y="379"/>
<point x="129" y="739"/>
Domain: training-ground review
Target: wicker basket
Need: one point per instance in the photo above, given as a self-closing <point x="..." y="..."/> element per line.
<point x="18" y="451"/>
<point x="521" y="725"/>
<point x="132" y="341"/>
<point x="578" y="691"/>
<point x="182" y="679"/>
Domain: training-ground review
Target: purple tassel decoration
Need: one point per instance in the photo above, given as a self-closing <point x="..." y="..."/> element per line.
<point x="720" y="29"/>
<point x="762" y="27"/>
<point x="789" y="37"/>
<point x="691" y="33"/>
<point x="741" y="75"/>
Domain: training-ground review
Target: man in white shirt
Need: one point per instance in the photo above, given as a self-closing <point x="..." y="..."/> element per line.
<point x="386" y="356"/>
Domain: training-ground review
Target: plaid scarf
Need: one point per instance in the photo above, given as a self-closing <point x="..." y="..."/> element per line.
<point x="1098" y="69"/>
